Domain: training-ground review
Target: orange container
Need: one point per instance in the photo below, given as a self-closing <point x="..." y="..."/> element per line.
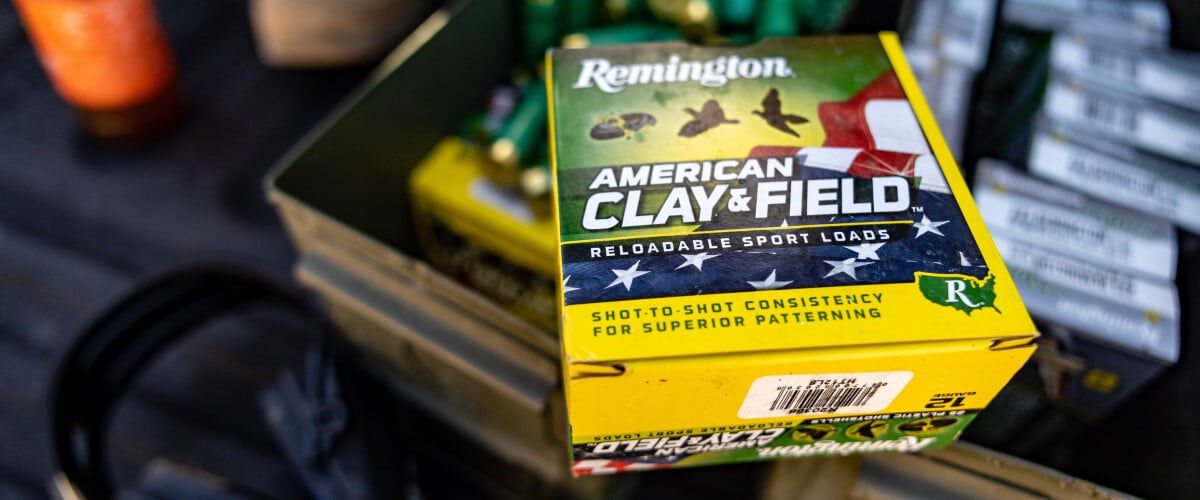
<point x="110" y="60"/>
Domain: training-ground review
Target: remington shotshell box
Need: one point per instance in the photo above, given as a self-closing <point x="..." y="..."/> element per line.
<point x="1117" y="173"/>
<point x="960" y="31"/>
<point x="1118" y="328"/>
<point x="1157" y="74"/>
<point x="517" y="141"/>
<point x="949" y="87"/>
<point x="767" y="252"/>
<point x="1044" y="214"/>
<point x="1118" y="308"/>
<point x="1124" y="118"/>
<point x="482" y="234"/>
<point x="1125" y="23"/>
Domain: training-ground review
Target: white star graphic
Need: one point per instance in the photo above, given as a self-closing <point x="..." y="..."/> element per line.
<point x="844" y="266"/>
<point x="784" y="223"/>
<point x="695" y="260"/>
<point x="928" y="226"/>
<point x="568" y="289"/>
<point x="866" y="250"/>
<point x="769" y="283"/>
<point x="626" y="276"/>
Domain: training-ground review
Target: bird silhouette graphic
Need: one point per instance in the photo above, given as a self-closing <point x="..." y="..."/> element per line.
<point x="708" y="117"/>
<point x="772" y="112"/>
<point x="612" y="128"/>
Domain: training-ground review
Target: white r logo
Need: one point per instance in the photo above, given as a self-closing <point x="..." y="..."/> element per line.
<point x="954" y="293"/>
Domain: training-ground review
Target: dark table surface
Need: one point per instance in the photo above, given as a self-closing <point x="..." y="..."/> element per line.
<point x="80" y="224"/>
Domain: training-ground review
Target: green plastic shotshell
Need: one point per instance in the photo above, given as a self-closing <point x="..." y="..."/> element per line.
<point x="701" y="17"/>
<point x="500" y="105"/>
<point x="697" y="18"/>
<point x="518" y="140"/>
<point x="472" y="128"/>
<point x="666" y="10"/>
<point x="821" y="16"/>
<point x="481" y="128"/>
<point x="631" y="32"/>
<point x="578" y="14"/>
<point x="732" y="39"/>
<point x="534" y="183"/>
<point x="535" y="180"/>
<point x="776" y="19"/>
<point x="737" y="12"/>
<point x="541" y="27"/>
<point x="622" y="10"/>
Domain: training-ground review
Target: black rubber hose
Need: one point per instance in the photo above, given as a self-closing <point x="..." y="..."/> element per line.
<point x="114" y="348"/>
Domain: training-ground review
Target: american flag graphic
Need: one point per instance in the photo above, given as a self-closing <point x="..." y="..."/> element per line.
<point x="874" y="133"/>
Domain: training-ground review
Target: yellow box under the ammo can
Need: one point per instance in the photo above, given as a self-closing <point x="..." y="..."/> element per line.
<point x="767" y="252"/>
<point x="484" y="234"/>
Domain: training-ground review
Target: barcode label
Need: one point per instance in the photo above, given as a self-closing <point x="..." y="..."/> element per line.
<point x="1113" y="64"/>
<point x="822" y="394"/>
<point x="824" y="398"/>
<point x="1094" y="62"/>
<point x="1172" y="133"/>
<point x="1115" y="116"/>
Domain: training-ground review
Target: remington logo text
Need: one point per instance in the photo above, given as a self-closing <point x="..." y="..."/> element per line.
<point x="717" y="72"/>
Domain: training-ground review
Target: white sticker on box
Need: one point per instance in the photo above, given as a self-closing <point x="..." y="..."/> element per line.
<point x="484" y="191"/>
<point x="823" y="394"/>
